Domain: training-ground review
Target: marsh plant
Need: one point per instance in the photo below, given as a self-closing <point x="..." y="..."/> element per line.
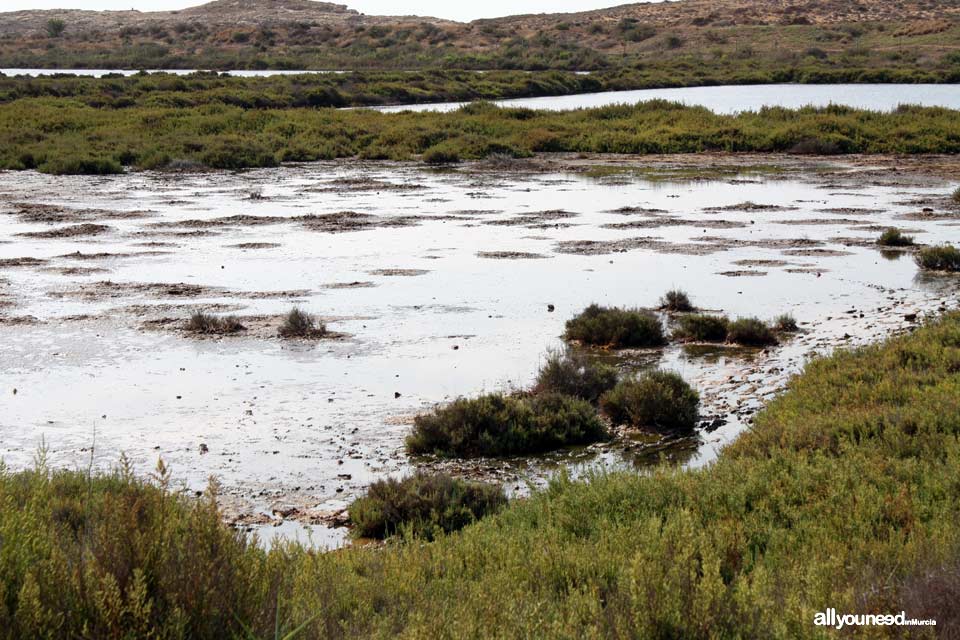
<point x="300" y="324"/>
<point x="943" y="258"/>
<point x="751" y="332"/>
<point x="206" y="323"/>
<point x="701" y="328"/>
<point x="423" y="505"/>
<point x="893" y="237"/>
<point x="574" y="374"/>
<point x="660" y="400"/>
<point x="785" y="323"/>
<point x="616" y="328"/>
<point x="677" y="301"/>
<point x="500" y="425"/>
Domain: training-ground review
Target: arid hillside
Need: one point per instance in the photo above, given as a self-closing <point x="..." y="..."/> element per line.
<point x="745" y="34"/>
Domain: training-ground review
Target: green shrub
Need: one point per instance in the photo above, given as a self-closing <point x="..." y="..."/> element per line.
<point x="573" y="374"/>
<point x="956" y="196"/>
<point x="423" y="505"/>
<point x="785" y="323"/>
<point x="441" y="154"/>
<point x="893" y="237"/>
<point x="942" y="258"/>
<point x="80" y="165"/>
<point x="657" y="399"/>
<point x="55" y="27"/>
<point x="676" y="300"/>
<point x="751" y="332"/>
<point x="500" y="425"/>
<point x="702" y="328"/>
<point x="207" y="323"/>
<point x="616" y="328"/>
<point x="300" y="324"/>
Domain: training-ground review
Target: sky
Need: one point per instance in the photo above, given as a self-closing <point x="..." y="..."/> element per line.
<point x="450" y="9"/>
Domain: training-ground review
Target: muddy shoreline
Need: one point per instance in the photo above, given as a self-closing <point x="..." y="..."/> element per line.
<point x="436" y="283"/>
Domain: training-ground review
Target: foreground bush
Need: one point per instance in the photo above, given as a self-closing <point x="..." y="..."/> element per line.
<point x="844" y="491"/>
<point x="501" y="425"/>
<point x="423" y="505"/>
<point x="702" y="328"/>
<point x="616" y="328"/>
<point x="943" y="258"/>
<point x="751" y="332"/>
<point x="300" y="324"/>
<point x="893" y="237"/>
<point x="573" y="374"/>
<point x="658" y="399"/>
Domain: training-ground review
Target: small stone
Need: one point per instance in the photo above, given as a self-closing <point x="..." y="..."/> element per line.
<point x="551" y="308"/>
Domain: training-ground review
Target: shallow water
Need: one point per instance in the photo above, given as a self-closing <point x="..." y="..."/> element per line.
<point x="733" y="99"/>
<point x="99" y="359"/>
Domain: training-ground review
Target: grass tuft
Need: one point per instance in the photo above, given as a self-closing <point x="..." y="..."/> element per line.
<point x="616" y="328"/>
<point x="656" y="399"/>
<point x="501" y="425"/>
<point x="423" y="505"/>
<point x="300" y="324"/>
<point x="206" y="323"/>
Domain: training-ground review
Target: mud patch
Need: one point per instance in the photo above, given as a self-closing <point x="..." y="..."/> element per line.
<point x="751" y="207"/>
<point x="75" y="231"/>
<point x="254" y="245"/>
<point x="510" y="255"/>
<point x="746" y="273"/>
<point x="399" y="272"/>
<point x="349" y="285"/>
<point x="32" y="213"/>
<point x="6" y="263"/>
<point x="817" y="253"/>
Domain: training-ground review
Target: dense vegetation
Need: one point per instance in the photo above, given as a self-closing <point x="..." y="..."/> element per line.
<point x="942" y="258"/>
<point x="422" y="505"/>
<point x="498" y="425"/>
<point x="615" y="327"/>
<point x="660" y="400"/>
<point x="575" y="374"/>
<point x="843" y="494"/>
<point x="63" y="136"/>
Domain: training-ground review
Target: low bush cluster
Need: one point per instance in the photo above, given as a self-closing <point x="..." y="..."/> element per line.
<point x="500" y="425"/>
<point x="702" y="328"/>
<point x="655" y="399"/>
<point x="616" y="328"/>
<point x="677" y="301"/>
<point x="574" y="374"/>
<point x="751" y="332"/>
<point x="422" y="505"/>
<point x="942" y="258"/>
<point x="893" y="237"/>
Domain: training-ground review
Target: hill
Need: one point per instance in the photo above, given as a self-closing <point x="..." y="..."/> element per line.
<point x="303" y="34"/>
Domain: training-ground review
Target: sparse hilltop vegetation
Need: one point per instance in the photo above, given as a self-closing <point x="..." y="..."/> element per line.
<point x="670" y="43"/>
